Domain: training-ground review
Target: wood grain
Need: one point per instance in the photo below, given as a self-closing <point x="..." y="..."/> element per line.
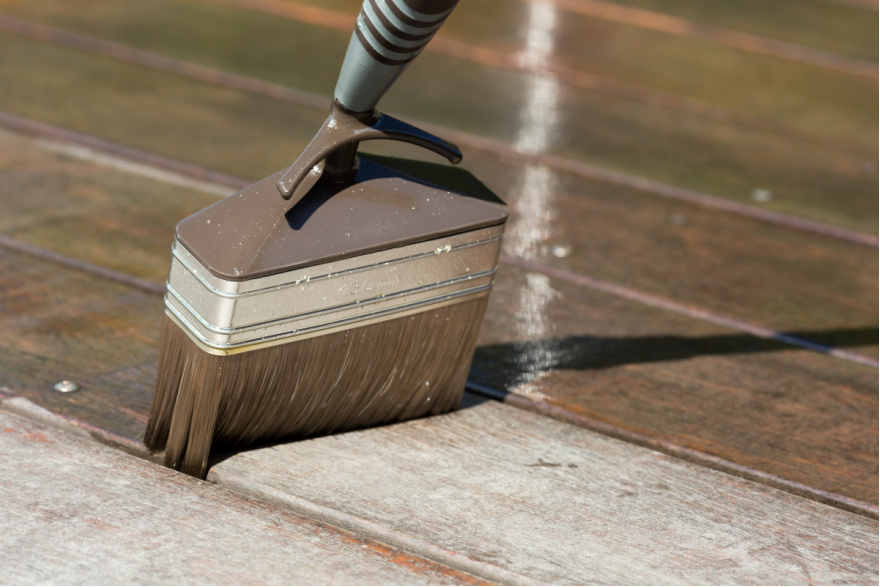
<point x="75" y="512"/>
<point x="60" y="324"/>
<point x="840" y="27"/>
<point x="793" y="413"/>
<point x="723" y="158"/>
<point x="820" y="289"/>
<point x="558" y="504"/>
<point x="758" y="403"/>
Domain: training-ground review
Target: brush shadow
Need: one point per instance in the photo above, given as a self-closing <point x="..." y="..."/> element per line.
<point x="512" y="364"/>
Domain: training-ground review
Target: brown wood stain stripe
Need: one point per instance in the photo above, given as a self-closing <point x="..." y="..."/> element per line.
<point x="210" y="75"/>
<point x="40" y="129"/>
<point x="674" y="25"/>
<point x="511" y="62"/>
<point x="688" y="454"/>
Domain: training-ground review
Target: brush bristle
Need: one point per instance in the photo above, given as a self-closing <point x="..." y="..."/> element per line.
<point x="391" y="371"/>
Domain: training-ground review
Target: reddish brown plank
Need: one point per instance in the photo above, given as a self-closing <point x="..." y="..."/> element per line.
<point x="792" y="413"/>
<point x="719" y="156"/>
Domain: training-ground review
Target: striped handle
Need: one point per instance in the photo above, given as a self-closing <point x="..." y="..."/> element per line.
<point x="388" y="35"/>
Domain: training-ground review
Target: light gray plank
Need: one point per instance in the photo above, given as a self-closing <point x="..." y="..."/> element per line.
<point x="494" y="487"/>
<point x="76" y="512"/>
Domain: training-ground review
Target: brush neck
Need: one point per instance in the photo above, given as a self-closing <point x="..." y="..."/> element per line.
<point x="388" y="36"/>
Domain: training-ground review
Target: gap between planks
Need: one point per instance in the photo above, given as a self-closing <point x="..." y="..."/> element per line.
<point x="167" y="169"/>
<point x="45" y="33"/>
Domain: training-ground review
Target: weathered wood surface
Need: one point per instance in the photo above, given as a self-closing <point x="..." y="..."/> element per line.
<point x="794" y="413"/>
<point x="723" y="156"/>
<point x="759" y="403"/>
<point x="75" y="512"/>
<point x="499" y="486"/>
<point x="61" y="324"/>
<point x="687" y="111"/>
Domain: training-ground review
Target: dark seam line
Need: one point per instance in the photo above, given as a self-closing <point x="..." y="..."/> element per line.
<point x="150" y="287"/>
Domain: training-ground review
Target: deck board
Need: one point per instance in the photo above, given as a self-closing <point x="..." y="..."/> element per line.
<point x="60" y="324"/>
<point x="722" y="157"/>
<point x="759" y="403"/>
<point x="621" y="305"/>
<point x="75" y="512"/>
<point x="558" y="504"/>
<point x="738" y="267"/>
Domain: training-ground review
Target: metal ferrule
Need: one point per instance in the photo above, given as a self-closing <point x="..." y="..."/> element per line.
<point x="226" y="317"/>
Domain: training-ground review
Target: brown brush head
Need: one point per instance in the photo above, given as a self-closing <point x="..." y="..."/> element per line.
<point x="390" y="371"/>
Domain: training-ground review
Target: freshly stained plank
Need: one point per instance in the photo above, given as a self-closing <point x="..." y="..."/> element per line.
<point x="818" y="24"/>
<point x="796" y="414"/>
<point x="776" y="277"/>
<point x="61" y="324"/>
<point x="744" y="82"/>
<point x="91" y="211"/>
<point x="806" y="176"/>
<point x="840" y="27"/>
<point x="76" y="512"/>
<point x="810" y="408"/>
<point x="558" y="504"/>
<point x="234" y="132"/>
<point x="125" y="222"/>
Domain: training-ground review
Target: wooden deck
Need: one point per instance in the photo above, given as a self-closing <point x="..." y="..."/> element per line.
<point x="683" y="327"/>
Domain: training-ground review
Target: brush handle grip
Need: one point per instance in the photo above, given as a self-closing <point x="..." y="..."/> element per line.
<point x="388" y="35"/>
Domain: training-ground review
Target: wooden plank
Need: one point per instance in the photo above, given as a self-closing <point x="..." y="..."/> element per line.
<point x="819" y="24"/>
<point x="783" y="279"/>
<point x="125" y="222"/>
<point x="91" y="211"/>
<point x="60" y="324"/>
<point x="593" y="53"/>
<point x="719" y="157"/>
<point x="556" y="503"/>
<point x="797" y="414"/>
<point x="240" y="134"/>
<point x="758" y="403"/>
<point x="840" y="27"/>
<point x="76" y="512"/>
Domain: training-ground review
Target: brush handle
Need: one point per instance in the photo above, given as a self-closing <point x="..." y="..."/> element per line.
<point x="388" y="35"/>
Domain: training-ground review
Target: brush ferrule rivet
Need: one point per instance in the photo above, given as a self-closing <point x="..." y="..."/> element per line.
<point x="65" y="386"/>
